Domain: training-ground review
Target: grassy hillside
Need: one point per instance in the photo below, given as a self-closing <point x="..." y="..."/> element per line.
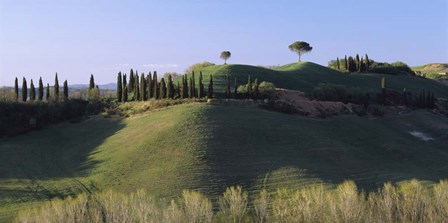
<point x="210" y="147"/>
<point x="305" y="76"/>
<point x="434" y="70"/>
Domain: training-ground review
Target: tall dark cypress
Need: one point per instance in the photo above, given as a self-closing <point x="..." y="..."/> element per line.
<point x="236" y="89"/>
<point x="56" y="88"/>
<point x="361" y="65"/>
<point x="32" y="91"/>
<point x="40" y="90"/>
<point x="47" y="93"/>
<point x="149" y="85"/>
<point x="178" y="90"/>
<point x="162" y="88"/>
<point x="131" y="81"/>
<point x="201" y="87"/>
<point x="16" y="89"/>
<point x="119" y="87"/>
<point x="357" y="62"/>
<point x="24" y="90"/>
<point x="142" y="87"/>
<point x="136" y="88"/>
<point x="91" y="82"/>
<point x="193" y="85"/>
<point x="227" y="86"/>
<point x="367" y="63"/>
<point x="65" y="90"/>
<point x="185" y="88"/>
<point x="337" y="63"/>
<point x="156" y="93"/>
<point x="346" y="63"/>
<point x="170" y="87"/>
<point x="210" y="87"/>
<point x="124" y="97"/>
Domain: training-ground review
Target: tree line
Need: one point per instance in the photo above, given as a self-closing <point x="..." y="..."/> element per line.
<point x="30" y="94"/>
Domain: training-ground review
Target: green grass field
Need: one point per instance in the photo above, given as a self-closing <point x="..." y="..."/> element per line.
<point x="210" y="147"/>
<point x="305" y="76"/>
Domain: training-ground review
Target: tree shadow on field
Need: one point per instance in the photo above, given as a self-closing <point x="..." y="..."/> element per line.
<point x="255" y="148"/>
<point x="58" y="151"/>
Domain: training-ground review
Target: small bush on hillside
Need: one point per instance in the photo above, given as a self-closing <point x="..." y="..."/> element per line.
<point x="397" y="68"/>
<point x="334" y="92"/>
<point x="198" y="66"/>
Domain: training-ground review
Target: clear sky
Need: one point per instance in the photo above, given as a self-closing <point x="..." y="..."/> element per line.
<point x="77" y="38"/>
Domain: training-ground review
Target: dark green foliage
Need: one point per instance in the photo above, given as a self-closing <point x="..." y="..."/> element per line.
<point x="367" y="63"/>
<point x="24" y="90"/>
<point x="345" y="63"/>
<point x="191" y="91"/>
<point x="40" y="90"/>
<point x="162" y="88"/>
<point x="351" y="64"/>
<point x="225" y="55"/>
<point x="56" y="88"/>
<point x="143" y="96"/>
<point x="256" y="92"/>
<point x="357" y="62"/>
<point x="300" y="48"/>
<point x="155" y="86"/>
<point x="124" y="97"/>
<point x="333" y="92"/>
<point x="136" y="88"/>
<point x="149" y="85"/>
<point x="193" y="85"/>
<point x="65" y="90"/>
<point x="178" y="91"/>
<point x="131" y="81"/>
<point x="228" y="86"/>
<point x="47" y="93"/>
<point x="397" y="68"/>
<point x="91" y="82"/>
<point x="119" y="88"/>
<point x="249" y="87"/>
<point x="236" y="89"/>
<point x="337" y="63"/>
<point x="16" y="89"/>
<point x="210" y="87"/>
<point x="32" y="91"/>
<point x="170" y="88"/>
<point x="201" y="86"/>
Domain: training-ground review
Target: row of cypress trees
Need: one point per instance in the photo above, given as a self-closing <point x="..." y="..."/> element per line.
<point x="354" y="64"/>
<point x="144" y="88"/>
<point x="40" y="90"/>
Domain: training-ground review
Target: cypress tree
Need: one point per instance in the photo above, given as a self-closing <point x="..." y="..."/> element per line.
<point x="236" y="89"/>
<point x="32" y="91"/>
<point x="346" y="63"/>
<point x="131" y="81"/>
<point x="367" y="63"/>
<point x="65" y="90"/>
<point x="125" y="93"/>
<point x="191" y="93"/>
<point x="143" y="87"/>
<point x="155" y="86"/>
<point x="210" y="87"/>
<point x="40" y="90"/>
<point x="119" y="88"/>
<point x="170" y="87"/>
<point x="249" y="87"/>
<point x="184" y="87"/>
<point x="357" y="62"/>
<point x="47" y="94"/>
<point x="256" y="91"/>
<point x="16" y="89"/>
<point x="91" y="82"/>
<point x="136" y="95"/>
<point x="56" y="88"/>
<point x="337" y="63"/>
<point x="361" y="65"/>
<point x="227" y="86"/>
<point x="193" y="85"/>
<point x="24" y="90"/>
<point x="124" y="97"/>
<point x="201" y="87"/>
<point x="149" y="85"/>
<point x="187" y="89"/>
<point x="162" y="88"/>
<point x="178" y="90"/>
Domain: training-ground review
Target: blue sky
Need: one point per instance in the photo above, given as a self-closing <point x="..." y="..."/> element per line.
<point x="77" y="38"/>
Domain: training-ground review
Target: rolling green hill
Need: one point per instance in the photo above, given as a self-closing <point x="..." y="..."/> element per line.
<point x="209" y="147"/>
<point x="433" y="70"/>
<point x="305" y="76"/>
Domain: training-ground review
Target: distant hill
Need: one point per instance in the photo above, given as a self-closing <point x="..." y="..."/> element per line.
<point x="433" y="70"/>
<point x="305" y="76"/>
<point x="110" y="86"/>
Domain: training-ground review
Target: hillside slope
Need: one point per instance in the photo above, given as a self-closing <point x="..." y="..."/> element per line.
<point x="305" y="76"/>
<point x="209" y="147"/>
<point x="433" y="70"/>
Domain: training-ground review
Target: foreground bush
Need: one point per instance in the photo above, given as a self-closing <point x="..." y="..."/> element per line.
<point x="408" y="202"/>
